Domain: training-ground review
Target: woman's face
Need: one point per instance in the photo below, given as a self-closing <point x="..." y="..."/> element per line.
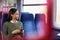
<point x="15" y="15"/>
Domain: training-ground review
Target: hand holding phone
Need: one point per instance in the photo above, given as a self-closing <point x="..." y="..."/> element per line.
<point x="16" y="31"/>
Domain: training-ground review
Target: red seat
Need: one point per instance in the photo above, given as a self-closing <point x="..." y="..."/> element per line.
<point x="0" y="36"/>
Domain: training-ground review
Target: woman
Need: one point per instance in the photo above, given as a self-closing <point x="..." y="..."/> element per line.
<point x="13" y="27"/>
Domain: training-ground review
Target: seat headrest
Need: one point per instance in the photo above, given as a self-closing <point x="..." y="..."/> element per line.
<point x="40" y="17"/>
<point x="27" y="17"/>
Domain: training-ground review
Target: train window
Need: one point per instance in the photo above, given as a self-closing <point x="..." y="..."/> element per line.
<point x="35" y="6"/>
<point x="35" y="1"/>
<point x="12" y="3"/>
<point x="35" y="9"/>
<point x="56" y="20"/>
<point x="1" y="3"/>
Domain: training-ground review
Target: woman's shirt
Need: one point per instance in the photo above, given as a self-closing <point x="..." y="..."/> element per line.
<point x="8" y="27"/>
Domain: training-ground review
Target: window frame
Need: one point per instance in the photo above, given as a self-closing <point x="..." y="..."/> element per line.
<point x="56" y="26"/>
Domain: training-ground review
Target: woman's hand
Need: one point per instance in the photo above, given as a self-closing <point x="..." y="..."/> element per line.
<point x="16" y="31"/>
<point x="22" y="31"/>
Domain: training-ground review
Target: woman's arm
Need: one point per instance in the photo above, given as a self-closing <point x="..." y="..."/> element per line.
<point x="5" y="31"/>
<point x="22" y="30"/>
<point x="16" y="31"/>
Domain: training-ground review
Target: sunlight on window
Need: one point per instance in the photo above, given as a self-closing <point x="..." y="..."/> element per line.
<point x="35" y="1"/>
<point x="35" y="9"/>
<point x="58" y="13"/>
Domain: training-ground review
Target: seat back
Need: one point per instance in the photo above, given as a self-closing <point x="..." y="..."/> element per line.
<point x="29" y="25"/>
<point x="41" y="25"/>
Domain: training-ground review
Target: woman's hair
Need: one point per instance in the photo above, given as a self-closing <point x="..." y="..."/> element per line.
<point x="12" y="11"/>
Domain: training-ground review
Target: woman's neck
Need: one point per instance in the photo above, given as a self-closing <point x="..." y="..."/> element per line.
<point x="13" y="21"/>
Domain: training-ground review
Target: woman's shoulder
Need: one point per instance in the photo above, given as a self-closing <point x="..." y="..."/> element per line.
<point x="20" y="22"/>
<point x="6" y="22"/>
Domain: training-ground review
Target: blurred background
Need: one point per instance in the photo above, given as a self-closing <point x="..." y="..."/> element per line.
<point x="40" y="18"/>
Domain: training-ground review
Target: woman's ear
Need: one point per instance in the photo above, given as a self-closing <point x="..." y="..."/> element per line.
<point x="11" y="15"/>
